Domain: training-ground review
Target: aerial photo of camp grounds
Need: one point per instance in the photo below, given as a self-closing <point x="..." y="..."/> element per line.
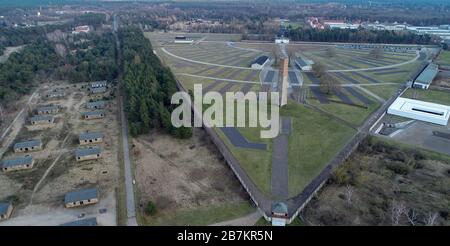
<point x="358" y="93"/>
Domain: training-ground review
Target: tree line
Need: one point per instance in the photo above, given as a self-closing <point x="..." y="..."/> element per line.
<point x="148" y="86"/>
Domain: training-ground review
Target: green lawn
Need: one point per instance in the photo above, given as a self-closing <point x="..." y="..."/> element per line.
<point x="314" y="140"/>
<point x="444" y="57"/>
<point x="433" y="96"/>
<point x="383" y="91"/>
<point x="200" y="216"/>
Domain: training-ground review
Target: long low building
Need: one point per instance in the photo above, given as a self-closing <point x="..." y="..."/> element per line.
<point x="420" y="110"/>
<point x="90" y="138"/>
<point x="42" y="120"/>
<point x="81" y="197"/>
<point x="51" y="109"/>
<point x="91" y="153"/>
<point x="304" y="64"/>
<point x="96" y="105"/>
<point x="94" y="115"/>
<point x="29" y="145"/>
<point x="260" y="62"/>
<point x="427" y="76"/>
<point x="20" y="163"/>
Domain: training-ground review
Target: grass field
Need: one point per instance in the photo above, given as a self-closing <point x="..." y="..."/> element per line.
<point x="200" y="216"/>
<point x="444" y="57"/>
<point x="433" y="96"/>
<point x="383" y="91"/>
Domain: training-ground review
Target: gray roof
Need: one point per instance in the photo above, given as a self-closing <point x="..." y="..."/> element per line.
<point x="279" y="208"/>
<point x="90" y="135"/>
<point x="41" y="118"/>
<point x="83" y="222"/>
<point x="427" y="76"/>
<point x="27" y="144"/>
<point x="4" y="207"/>
<point x="47" y="108"/>
<point x="96" y="112"/>
<point x="301" y="62"/>
<point x="79" y="195"/>
<point x="17" y="161"/>
<point x="98" y="90"/>
<point x="88" y="151"/>
<point x="95" y="104"/>
<point x="261" y="60"/>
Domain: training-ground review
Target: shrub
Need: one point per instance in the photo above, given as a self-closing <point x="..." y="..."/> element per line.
<point x="397" y="167"/>
<point x="150" y="209"/>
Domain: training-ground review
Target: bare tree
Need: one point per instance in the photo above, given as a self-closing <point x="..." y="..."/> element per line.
<point x="331" y="51"/>
<point x="349" y="194"/>
<point x="318" y="69"/>
<point x="397" y="211"/>
<point x="275" y="55"/>
<point x="431" y="220"/>
<point x="412" y="217"/>
<point x="329" y="84"/>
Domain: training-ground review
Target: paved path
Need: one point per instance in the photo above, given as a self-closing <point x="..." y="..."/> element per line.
<point x="131" y="207"/>
<point x="280" y="176"/>
<point x="248" y="220"/>
<point x="372" y="94"/>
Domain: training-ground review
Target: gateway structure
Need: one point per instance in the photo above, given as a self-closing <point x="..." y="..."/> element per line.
<point x="420" y="110"/>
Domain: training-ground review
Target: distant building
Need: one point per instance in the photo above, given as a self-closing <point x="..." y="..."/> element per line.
<point x="279" y="214"/>
<point x="420" y="110"/>
<point x="81" y="29"/>
<point x="6" y="209"/>
<point x="260" y="62"/>
<point x="30" y="145"/>
<point x="51" y="109"/>
<point x="339" y="24"/>
<point x="20" y="163"/>
<point x="81" y="197"/>
<point x="83" y="222"/>
<point x="97" y="114"/>
<point x="426" y="77"/>
<point x="182" y="40"/>
<point x="90" y="138"/>
<point x="281" y="40"/>
<point x="98" y="84"/>
<point x="304" y="64"/>
<point x="56" y="94"/>
<point x="96" y="105"/>
<point x="98" y="90"/>
<point x="91" y="153"/>
<point x="42" y="120"/>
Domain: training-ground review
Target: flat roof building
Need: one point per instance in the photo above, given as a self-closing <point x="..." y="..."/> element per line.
<point x="42" y="120"/>
<point x="81" y="197"/>
<point x="96" y="105"/>
<point x="260" y="62"/>
<point x="56" y="94"/>
<point x="98" y="84"/>
<point x="90" y="138"/>
<point x="50" y="109"/>
<point x="91" y="153"/>
<point x="420" y="110"/>
<point x="304" y="64"/>
<point x="20" y="163"/>
<point x="98" y="90"/>
<point x="6" y="209"/>
<point x="426" y="77"/>
<point x="29" y="145"/>
<point x="97" y="114"/>
<point x="183" y="40"/>
<point x="83" y="222"/>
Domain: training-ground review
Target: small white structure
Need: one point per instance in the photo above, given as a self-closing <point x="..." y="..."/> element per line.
<point x="281" y="40"/>
<point x="182" y="40"/>
<point x="420" y="110"/>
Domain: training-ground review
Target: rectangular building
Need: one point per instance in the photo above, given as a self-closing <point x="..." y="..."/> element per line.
<point x="21" y="163"/>
<point x="83" y="222"/>
<point x="98" y="90"/>
<point x="98" y="114"/>
<point x="91" y="153"/>
<point x="260" y="62"/>
<point x="96" y="105"/>
<point x="51" y="109"/>
<point x="98" y="84"/>
<point x="6" y="209"/>
<point x="183" y="40"/>
<point x="56" y="94"/>
<point x="81" y="197"/>
<point x="42" y="120"/>
<point x="29" y="145"/>
<point x="90" y="138"/>
<point x="420" y="110"/>
<point x="304" y="64"/>
<point x="426" y="77"/>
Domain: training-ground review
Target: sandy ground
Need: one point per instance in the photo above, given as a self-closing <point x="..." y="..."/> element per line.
<point x="67" y="174"/>
<point x="8" y="51"/>
<point x="182" y="174"/>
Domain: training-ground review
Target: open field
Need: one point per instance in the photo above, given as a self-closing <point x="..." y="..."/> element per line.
<point x="444" y="57"/>
<point x="56" y="171"/>
<point x="189" y="182"/>
<point x="384" y="177"/>
<point x="434" y="96"/>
